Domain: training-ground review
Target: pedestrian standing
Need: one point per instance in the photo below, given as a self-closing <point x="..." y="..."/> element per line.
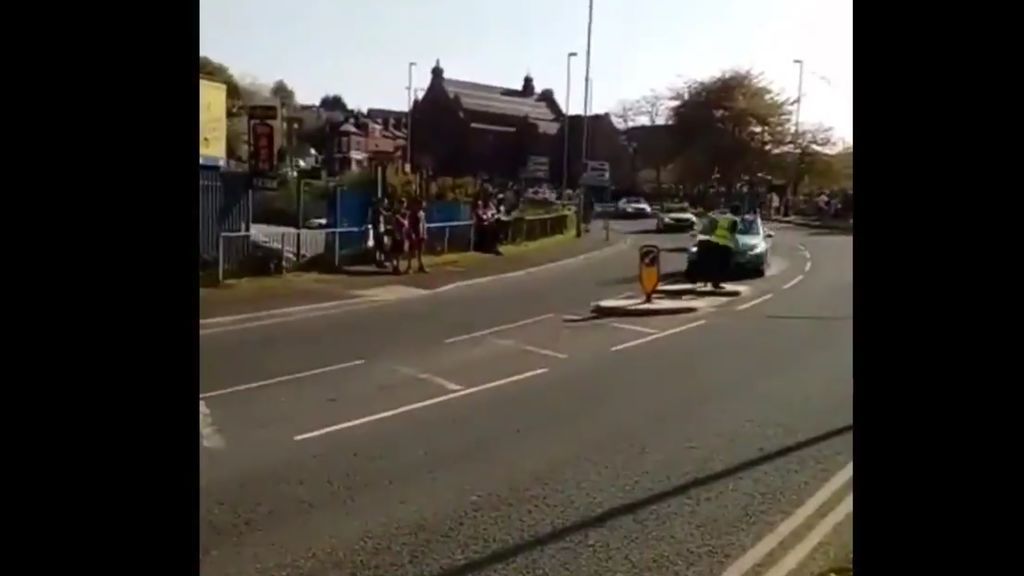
<point x="399" y="227"/>
<point x="417" y="234"/>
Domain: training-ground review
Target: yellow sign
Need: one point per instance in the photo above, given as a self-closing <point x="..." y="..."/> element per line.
<point x="213" y="123"/>
<point x="650" y="269"/>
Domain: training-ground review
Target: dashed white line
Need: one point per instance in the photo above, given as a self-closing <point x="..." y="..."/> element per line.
<point x="635" y="328"/>
<point x="807" y="267"/>
<point x="754" y="302"/>
<point x="529" y="348"/>
<point x="497" y="328"/>
<point x="658" y="335"/>
<point x="281" y="379"/>
<point x="793" y="282"/>
<point x="801" y="550"/>
<point x="429" y="378"/>
<point x="773" y="539"/>
<point x="418" y="405"/>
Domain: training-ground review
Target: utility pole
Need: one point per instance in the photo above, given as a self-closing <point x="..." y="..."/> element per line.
<point x="408" y="118"/>
<point x="565" y="155"/>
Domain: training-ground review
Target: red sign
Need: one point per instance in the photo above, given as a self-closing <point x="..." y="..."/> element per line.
<point x="261" y="137"/>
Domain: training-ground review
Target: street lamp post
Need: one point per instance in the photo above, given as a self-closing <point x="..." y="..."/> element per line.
<point x="586" y="110"/>
<point x="796" y="135"/>
<point x="565" y="155"/>
<point x="408" y="121"/>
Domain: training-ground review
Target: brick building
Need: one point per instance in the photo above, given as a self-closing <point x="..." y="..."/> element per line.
<point x="463" y="128"/>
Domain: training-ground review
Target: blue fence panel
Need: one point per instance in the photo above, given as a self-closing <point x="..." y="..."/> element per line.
<point x="224" y="206"/>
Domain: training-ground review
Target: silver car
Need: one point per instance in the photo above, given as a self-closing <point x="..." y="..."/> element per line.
<point x="752" y="246"/>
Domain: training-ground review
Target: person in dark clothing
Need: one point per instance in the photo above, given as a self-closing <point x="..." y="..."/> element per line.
<point x="416" y="233"/>
<point x="376" y="222"/>
<point x="399" y="225"/>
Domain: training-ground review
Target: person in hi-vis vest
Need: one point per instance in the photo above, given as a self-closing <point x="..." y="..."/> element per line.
<point x="723" y="242"/>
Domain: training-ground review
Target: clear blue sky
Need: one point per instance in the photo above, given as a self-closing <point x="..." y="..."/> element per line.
<point x="360" y="48"/>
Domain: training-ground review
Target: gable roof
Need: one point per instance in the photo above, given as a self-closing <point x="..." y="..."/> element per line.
<point x="490" y="99"/>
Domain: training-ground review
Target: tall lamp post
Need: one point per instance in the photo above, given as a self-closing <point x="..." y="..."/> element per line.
<point x="408" y="115"/>
<point x="586" y="110"/>
<point x="796" y="137"/>
<point x="565" y="155"/>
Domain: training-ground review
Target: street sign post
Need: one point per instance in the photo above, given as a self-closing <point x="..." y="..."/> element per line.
<point x="650" y="269"/>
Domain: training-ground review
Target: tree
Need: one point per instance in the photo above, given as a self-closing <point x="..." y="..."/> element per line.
<point x="625" y="113"/>
<point x="333" y="103"/>
<point x="652" y="107"/>
<point x="284" y="93"/>
<point x="729" y="124"/>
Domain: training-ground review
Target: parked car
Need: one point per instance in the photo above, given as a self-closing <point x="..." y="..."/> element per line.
<point x="681" y="221"/>
<point x="633" y="207"/>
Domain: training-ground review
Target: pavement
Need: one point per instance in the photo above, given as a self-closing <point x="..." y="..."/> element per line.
<point x="498" y="428"/>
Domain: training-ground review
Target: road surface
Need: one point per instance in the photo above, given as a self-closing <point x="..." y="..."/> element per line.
<point x="487" y="430"/>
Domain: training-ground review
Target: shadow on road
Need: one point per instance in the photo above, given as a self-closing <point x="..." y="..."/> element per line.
<point x="508" y="553"/>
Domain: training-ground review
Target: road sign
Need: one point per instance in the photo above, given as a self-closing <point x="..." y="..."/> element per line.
<point x="650" y="269"/>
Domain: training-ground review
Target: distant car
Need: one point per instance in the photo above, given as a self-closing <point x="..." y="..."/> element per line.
<point x="677" y="222"/>
<point x="633" y="207"/>
<point x="752" y="251"/>
<point x="316" y="223"/>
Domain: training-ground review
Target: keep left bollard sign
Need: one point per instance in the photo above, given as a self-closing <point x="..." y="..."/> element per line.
<point x="650" y="269"/>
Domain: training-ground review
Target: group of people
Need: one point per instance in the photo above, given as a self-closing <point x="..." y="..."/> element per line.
<point x="398" y="229"/>
<point x="488" y="220"/>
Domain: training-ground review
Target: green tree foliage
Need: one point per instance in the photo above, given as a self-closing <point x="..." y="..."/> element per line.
<point x="284" y="93"/>
<point x="334" y="103"/>
<point x="730" y="124"/>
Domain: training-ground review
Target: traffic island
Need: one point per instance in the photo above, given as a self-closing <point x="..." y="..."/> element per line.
<point x="639" y="306"/>
<point x="699" y="290"/>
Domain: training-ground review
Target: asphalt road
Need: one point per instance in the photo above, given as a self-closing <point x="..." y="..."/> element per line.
<point x="478" y="431"/>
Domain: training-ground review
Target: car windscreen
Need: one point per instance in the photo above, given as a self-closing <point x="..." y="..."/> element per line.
<point x="633" y="201"/>
<point x="749" y="227"/>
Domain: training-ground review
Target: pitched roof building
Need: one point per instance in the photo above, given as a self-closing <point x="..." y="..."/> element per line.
<point x="467" y="128"/>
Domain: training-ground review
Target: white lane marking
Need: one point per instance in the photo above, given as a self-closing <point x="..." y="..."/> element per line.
<point x="635" y="328"/>
<point x="276" y="311"/>
<point x="498" y="328"/>
<point x="529" y="348"/>
<point x="429" y="378"/>
<point x="801" y="550"/>
<point x="207" y="431"/>
<point x="769" y="542"/>
<point x="754" y="302"/>
<point x="807" y="267"/>
<point x="572" y="317"/>
<point x="363" y="304"/>
<point x="802" y="247"/>
<point x="281" y="379"/>
<point x="793" y="282"/>
<point x="418" y="405"/>
<point x="658" y="335"/>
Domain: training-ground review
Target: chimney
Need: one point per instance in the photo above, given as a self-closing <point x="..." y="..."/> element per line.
<point x="528" y="89"/>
